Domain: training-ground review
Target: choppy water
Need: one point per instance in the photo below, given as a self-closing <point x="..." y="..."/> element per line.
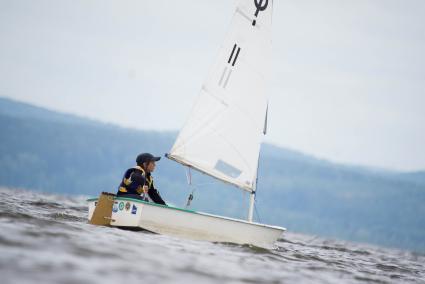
<point x="46" y="239"/>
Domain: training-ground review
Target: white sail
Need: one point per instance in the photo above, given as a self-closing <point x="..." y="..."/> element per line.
<point x="223" y="133"/>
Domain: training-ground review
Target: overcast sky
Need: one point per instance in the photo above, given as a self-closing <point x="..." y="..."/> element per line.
<point x="348" y="79"/>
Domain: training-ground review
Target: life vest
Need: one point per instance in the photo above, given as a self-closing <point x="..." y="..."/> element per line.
<point x="127" y="186"/>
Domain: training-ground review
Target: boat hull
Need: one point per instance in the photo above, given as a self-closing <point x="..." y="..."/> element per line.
<point x="133" y="213"/>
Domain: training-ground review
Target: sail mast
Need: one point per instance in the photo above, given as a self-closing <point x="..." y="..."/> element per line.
<point x="224" y="131"/>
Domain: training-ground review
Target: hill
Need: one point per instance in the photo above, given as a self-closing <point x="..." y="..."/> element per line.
<point x="54" y="152"/>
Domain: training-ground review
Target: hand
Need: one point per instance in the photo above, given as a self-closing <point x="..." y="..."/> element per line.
<point x="145" y="189"/>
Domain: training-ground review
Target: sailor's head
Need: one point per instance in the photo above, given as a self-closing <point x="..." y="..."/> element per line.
<point x="147" y="161"/>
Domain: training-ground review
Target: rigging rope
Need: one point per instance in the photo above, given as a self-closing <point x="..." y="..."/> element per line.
<point x="256" y="211"/>
<point x="189" y="181"/>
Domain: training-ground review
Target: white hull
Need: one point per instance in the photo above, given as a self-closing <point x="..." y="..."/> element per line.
<point x="179" y="222"/>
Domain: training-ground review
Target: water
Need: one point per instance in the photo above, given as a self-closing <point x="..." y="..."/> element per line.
<point x="46" y="239"/>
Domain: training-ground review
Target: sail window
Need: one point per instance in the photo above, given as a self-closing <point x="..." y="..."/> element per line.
<point x="227" y="169"/>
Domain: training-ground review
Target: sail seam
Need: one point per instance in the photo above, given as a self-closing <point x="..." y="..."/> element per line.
<point x="242" y="13"/>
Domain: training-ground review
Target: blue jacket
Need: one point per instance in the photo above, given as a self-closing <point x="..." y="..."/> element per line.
<point x="133" y="181"/>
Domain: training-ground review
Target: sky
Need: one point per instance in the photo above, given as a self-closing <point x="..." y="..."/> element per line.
<point x="348" y="78"/>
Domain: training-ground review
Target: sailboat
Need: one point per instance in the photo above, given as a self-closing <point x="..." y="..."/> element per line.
<point x="221" y="138"/>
